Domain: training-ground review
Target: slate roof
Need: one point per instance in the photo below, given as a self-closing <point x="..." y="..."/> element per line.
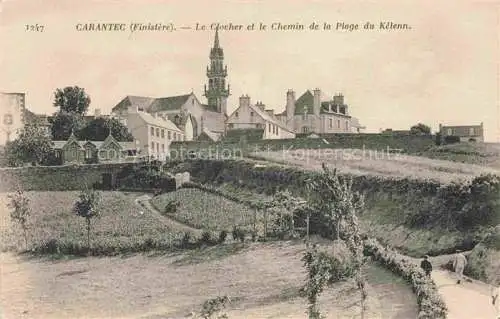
<point x="130" y="100"/>
<point x="158" y="121"/>
<point x="168" y="103"/>
<point x="268" y="118"/>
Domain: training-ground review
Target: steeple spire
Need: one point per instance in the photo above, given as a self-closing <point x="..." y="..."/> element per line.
<point x="216" y="41"/>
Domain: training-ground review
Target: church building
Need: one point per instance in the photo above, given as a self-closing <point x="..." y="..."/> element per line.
<point x="186" y="111"/>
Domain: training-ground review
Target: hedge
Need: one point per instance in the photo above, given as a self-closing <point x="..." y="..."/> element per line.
<point x="430" y="303"/>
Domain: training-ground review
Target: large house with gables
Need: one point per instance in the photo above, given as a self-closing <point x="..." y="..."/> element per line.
<point x="73" y="151"/>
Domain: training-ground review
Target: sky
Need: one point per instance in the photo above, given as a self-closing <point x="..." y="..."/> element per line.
<point x="445" y="69"/>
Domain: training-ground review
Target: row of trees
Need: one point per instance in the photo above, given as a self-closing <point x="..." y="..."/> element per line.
<point x="34" y="145"/>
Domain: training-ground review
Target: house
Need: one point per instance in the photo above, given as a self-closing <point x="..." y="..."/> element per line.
<point x="315" y="112"/>
<point x="249" y="116"/>
<point x="153" y="132"/>
<point x="466" y="133"/>
<point x="87" y="152"/>
<point x="12" y="106"/>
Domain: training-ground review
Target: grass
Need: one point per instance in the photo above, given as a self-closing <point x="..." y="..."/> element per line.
<point x="121" y="226"/>
<point x="203" y="210"/>
<point x="380" y="163"/>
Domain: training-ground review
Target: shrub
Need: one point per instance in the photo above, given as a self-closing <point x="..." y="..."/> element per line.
<point x="171" y="207"/>
<point x="431" y="305"/>
<point x="451" y="139"/>
<point x="222" y="236"/>
<point x="206" y="238"/>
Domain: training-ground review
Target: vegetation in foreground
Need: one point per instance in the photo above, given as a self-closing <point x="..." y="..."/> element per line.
<point x="55" y="228"/>
<point x="203" y="210"/>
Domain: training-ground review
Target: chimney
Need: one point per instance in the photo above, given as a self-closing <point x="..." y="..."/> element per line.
<point x="338" y="99"/>
<point x="317" y="101"/>
<point x="244" y="101"/>
<point x="270" y="112"/>
<point x="260" y="105"/>
<point x="97" y="112"/>
<point x="290" y="105"/>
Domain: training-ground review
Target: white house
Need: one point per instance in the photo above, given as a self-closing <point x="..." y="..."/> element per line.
<point x="154" y="133"/>
<point x="248" y="116"/>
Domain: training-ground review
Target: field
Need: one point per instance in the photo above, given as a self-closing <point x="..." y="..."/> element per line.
<point x="262" y="280"/>
<point x="203" y="210"/>
<point x="122" y="226"/>
<point x="486" y="154"/>
<point x="380" y="163"/>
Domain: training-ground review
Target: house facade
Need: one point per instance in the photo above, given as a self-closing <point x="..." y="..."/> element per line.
<point x="73" y="151"/>
<point x="12" y="106"/>
<point x="153" y="132"/>
<point x="313" y="112"/>
<point x="466" y="133"/>
<point x="249" y="116"/>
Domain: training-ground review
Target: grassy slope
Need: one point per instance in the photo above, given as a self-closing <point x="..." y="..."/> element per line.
<point x="262" y="280"/>
<point x="120" y="225"/>
<point x="204" y="210"/>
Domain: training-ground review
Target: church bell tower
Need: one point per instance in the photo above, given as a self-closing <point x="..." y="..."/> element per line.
<point x="217" y="92"/>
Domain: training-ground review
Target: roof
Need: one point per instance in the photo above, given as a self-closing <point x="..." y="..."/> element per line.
<point x="212" y="135"/>
<point x="168" y="103"/>
<point x="268" y="118"/>
<point x="305" y="100"/>
<point x="157" y="121"/>
<point x="130" y="100"/>
<point x="97" y="144"/>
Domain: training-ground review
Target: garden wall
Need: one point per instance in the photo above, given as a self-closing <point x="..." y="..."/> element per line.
<point x="56" y="178"/>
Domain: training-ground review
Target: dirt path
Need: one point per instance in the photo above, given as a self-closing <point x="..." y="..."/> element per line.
<point x="144" y="201"/>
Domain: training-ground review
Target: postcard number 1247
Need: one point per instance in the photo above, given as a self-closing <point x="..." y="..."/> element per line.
<point x="34" y="27"/>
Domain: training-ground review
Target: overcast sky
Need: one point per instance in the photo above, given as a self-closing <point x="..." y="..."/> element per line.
<point x="444" y="70"/>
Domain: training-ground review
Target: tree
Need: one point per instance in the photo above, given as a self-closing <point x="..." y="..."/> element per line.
<point x="64" y="123"/>
<point x="100" y="128"/>
<point x="32" y="145"/>
<point x="20" y="212"/>
<point x="72" y="99"/>
<point x="338" y="205"/>
<point x="420" y="129"/>
<point x="88" y="207"/>
<point x="283" y="205"/>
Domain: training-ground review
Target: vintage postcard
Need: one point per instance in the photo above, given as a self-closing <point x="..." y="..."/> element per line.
<point x="249" y="159"/>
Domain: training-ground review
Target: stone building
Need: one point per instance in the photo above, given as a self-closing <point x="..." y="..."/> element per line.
<point x="466" y="133"/>
<point x="255" y="116"/>
<point x="12" y="109"/>
<point x="313" y="112"/>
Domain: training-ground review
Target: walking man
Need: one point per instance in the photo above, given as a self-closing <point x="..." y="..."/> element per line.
<point x="426" y="265"/>
<point x="459" y="265"/>
<point x="495" y="292"/>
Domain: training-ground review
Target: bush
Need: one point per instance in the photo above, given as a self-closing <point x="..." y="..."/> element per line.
<point x="451" y="139"/>
<point x="171" y="207"/>
<point x="431" y="305"/>
<point x="206" y="238"/>
<point x="238" y="234"/>
<point x="222" y="236"/>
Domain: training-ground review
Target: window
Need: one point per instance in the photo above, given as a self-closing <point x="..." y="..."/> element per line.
<point x="450" y="131"/>
<point x="158" y="132"/>
<point x="258" y="125"/>
<point x="276" y="130"/>
<point x="175" y="136"/>
<point x="152" y="146"/>
<point x="7" y="119"/>
<point x="251" y="114"/>
<point x="269" y="127"/>
<point x="471" y="131"/>
<point x="169" y="135"/>
<point x="236" y="114"/>
<point x="338" y="123"/>
<point x="88" y="153"/>
<point x="331" y="123"/>
<point x="158" y="147"/>
<point x="347" y="125"/>
<point x="162" y="133"/>
<point x="152" y="131"/>
<point x="163" y="148"/>
<point x="305" y="129"/>
<point x="304" y="116"/>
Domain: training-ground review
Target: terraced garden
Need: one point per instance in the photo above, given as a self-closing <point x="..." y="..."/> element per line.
<point x="204" y="210"/>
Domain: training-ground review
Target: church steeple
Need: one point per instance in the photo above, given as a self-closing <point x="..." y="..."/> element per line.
<point x="217" y="92"/>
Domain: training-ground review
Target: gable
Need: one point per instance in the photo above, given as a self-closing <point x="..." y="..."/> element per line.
<point x="128" y="101"/>
<point x="71" y="144"/>
<point x="306" y="99"/>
